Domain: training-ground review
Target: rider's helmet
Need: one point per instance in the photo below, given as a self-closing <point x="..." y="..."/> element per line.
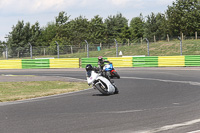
<point x="88" y="67"/>
<point x="100" y="58"/>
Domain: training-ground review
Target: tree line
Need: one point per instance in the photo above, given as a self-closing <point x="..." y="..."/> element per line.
<point x="182" y="17"/>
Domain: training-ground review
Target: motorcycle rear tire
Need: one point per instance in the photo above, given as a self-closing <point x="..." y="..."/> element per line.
<point x="116" y="75"/>
<point x="101" y="89"/>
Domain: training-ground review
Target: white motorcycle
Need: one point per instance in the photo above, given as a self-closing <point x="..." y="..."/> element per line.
<point x="99" y="82"/>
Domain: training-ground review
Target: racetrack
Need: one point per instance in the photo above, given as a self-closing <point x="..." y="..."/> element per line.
<point x="151" y="100"/>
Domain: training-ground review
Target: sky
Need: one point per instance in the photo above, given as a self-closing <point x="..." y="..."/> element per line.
<point x="45" y="11"/>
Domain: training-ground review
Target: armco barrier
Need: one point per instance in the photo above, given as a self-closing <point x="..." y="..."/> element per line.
<point x="10" y="64"/>
<point x="64" y="63"/>
<point x="39" y="63"/>
<point x="149" y="61"/>
<point x="35" y="63"/>
<point x="171" y="61"/>
<point x="192" y="60"/>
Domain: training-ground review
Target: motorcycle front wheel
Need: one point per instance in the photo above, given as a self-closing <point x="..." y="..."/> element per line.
<point x="101" y="89"/>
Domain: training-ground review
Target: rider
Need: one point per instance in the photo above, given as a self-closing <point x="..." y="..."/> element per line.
<point x="101" y="62"/>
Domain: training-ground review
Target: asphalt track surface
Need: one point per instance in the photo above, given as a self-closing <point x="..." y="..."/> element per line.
<point x="151" y="100"/>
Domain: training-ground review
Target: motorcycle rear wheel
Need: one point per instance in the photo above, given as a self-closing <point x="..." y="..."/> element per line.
<point x="116" y="75"/>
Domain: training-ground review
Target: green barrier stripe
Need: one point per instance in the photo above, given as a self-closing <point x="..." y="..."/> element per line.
<point x="151" y="61"/>
<point x="92" y="61"/>
<point x="35" y="63"/>
<point x="192" y="60"/>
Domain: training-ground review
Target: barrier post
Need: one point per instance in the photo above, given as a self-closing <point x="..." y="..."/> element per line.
<point x="147" y="45"/>
<point x="31" y="50"/>
<point x="87" y="48"/>
<point x="116" y="47"/>
<point x="180" y="44"/>
<point x="57" y="49"/>
<point x="6" y="50"/>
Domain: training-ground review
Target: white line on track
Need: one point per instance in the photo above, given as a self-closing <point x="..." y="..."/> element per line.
<point x="162" y="80"/>
<point x="174" y="126"/>
<point x="198" y="131"/>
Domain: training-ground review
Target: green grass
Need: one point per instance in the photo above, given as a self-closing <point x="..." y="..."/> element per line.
<point x="11" y="91"/>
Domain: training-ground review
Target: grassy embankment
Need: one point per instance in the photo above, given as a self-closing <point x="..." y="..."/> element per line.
<point x="161" y="48"/>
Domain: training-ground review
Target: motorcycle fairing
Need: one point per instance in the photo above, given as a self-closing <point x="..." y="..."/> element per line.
<point x="111" y="88"/>
<point x="92" y="77"/>
<point x="108" y="67"/>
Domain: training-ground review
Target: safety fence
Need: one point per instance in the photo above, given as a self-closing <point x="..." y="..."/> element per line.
<point x="149" y="61"/>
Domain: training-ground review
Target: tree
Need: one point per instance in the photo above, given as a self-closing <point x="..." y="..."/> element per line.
<point x="137" y="27"/>
<point x="125" y="34"/>
<point x="61" y="21"/>
<point x="79" y="30"/>
<point x="35" y="34"/>
<point x="19" y="38"/>
<point x="62" y="18"/>
<point x="155" y="25"/>
<point x="184" y="17"/>
<point x="97" y="30"/>
<point x="48" y="33"/>
<point x="114" y="25"/>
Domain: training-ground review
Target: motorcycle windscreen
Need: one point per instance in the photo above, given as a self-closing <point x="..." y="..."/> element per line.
<point x="88" y="74"/>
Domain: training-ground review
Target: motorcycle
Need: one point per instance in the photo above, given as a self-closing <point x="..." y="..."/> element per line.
<point x="101" y="83"/>
<point x="111" y="71"/>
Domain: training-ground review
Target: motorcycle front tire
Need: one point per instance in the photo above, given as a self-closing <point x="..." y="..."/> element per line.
<point x="101" y="89"/>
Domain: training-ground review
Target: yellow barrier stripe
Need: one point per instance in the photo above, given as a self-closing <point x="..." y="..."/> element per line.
<point x="64" y="63"/>
<point x="10" y="64"/>
<point x="171" y="61"/>
<point x="121" y="61"/>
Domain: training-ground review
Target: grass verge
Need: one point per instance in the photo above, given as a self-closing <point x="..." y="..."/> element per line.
<point x="12" y="91"/>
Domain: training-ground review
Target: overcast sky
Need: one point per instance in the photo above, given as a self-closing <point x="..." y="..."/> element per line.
<point x="44" y="11"/>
